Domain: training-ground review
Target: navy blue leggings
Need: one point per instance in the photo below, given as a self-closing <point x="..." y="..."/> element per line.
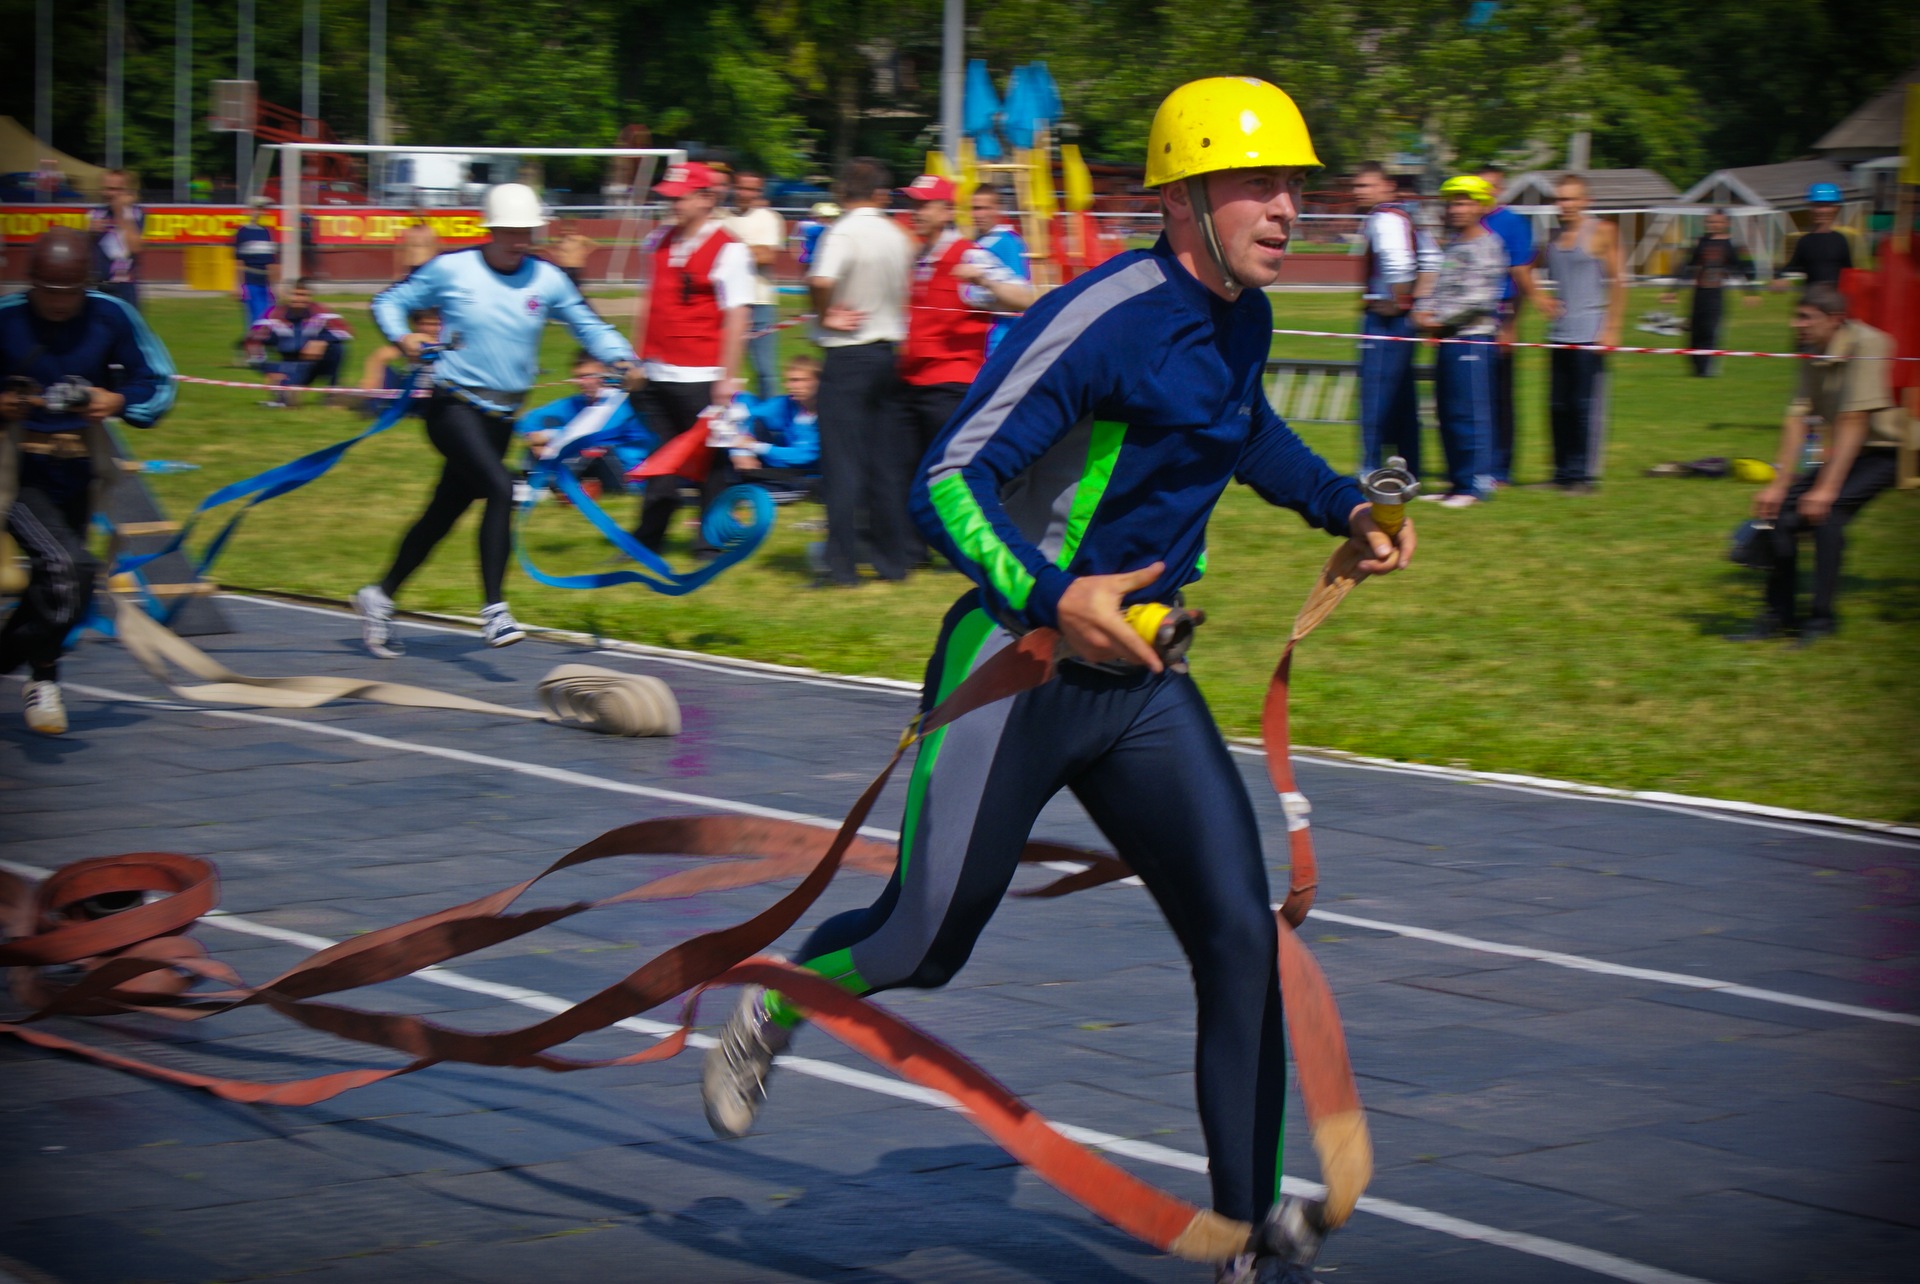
<point x="1141" y="753"/>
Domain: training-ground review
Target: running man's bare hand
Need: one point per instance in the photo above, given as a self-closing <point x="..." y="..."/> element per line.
<point x="411" y="344"/>
<point x="1091" y="622"/>
<point x="1388" y="555"/>
<point x="1766" y="504"/>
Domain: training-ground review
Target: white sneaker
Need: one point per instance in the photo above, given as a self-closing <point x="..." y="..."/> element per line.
<point x="375" y="610"/>
<point x="500" y="627"/>
<point x="46" y="711"/>
<point x="733" y="1081"/>
<point x="1459" y="499"/>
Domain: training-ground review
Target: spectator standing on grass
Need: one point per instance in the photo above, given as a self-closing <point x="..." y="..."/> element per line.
<point x="300" y="343"/>
<point x="1464" y="309"/>
<point x="1716" y="257"/>
<point x="256" y="252"/>
<point x="948" y="325"/>
<point x="1587" y="266"/>
<point x="819" y="218"/>
<point x="119" y="231"/>
<point x="758" y="226"/>
<point x="1516" y="237"/>
<point x="692" y="322"/>
<point x="859" y="282"/>
<point x="996" y="234"/>
<point x="1389" y="404"/>
<point x="1847" y="393"/>
<point x="1821" y="255"/>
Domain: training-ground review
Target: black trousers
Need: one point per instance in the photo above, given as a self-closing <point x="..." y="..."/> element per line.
<point x="1577" y="406"/>
<point x="866" y="464"/>
<point x="474" y="444"/>
<point x="920" y="412"/>
<point x="669" y="409"/>
<point x="62" y="572"/>
<point x="1871" y="473"/>
<point x="1703" y="326"/>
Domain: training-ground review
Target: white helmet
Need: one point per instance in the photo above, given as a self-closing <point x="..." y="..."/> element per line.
<point x="512" y="205"/>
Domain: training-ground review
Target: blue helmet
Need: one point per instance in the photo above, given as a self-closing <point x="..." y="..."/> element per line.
<point x="1823" y="194"/>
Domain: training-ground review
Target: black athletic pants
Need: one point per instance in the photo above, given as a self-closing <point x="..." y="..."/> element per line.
<point x="53" y="536"/>
<point x="1141" y="753"/>
<point x="866" y="463"/>
<point x="1503" y="436"/>
<point x="1703" y="326"/>
<point x="474" y="444"/>
<point x="1872" y="472"/>
<point x="669" y="409"/>
<point x="921" y="410"/>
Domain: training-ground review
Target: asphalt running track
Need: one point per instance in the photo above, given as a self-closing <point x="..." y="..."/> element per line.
<point x="1598" y="1040"/>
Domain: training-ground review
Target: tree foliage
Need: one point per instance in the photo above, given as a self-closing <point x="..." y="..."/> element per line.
<point x="791" y="85"/>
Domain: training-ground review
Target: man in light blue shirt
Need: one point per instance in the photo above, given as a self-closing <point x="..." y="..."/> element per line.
<point x="494" y="301"/>
<point x="998" y="237"/>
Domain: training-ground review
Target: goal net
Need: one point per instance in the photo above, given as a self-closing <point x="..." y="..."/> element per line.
<point x="319" y="210"/>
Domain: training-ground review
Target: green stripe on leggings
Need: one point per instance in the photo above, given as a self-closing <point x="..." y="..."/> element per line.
<point x="963" y="648"/>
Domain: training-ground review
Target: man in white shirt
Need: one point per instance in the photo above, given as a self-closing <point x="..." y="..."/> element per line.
<point x="859" y="282"/>
<point x="756" y="225"/>
<point x="1389" y="407"/>
<point x="692" y="323"/>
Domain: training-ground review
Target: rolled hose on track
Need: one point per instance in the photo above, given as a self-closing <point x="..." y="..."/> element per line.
<point x="137" y="961"/>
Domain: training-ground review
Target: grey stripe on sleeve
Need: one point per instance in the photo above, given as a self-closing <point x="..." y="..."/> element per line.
<point x="1069" y="324"/>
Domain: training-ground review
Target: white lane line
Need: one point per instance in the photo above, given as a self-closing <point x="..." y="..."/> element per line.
<point x="560" y="775"/>
<point x="1817" y="823"/>
<point x="1586" y="1259"/>
<point x="1578" y="963"/>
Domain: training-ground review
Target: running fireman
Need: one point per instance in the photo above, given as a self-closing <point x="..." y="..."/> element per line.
<point x="494" y="301"/>
<point x="1076" y="478"/>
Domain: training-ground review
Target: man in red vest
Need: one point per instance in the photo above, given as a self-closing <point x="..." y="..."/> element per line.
<point x="954" y="283"/>
<point x="692" y="323"/>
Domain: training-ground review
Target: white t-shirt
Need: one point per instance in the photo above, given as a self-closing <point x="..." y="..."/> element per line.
<point x="757" y="229"/>
<point x="732" y="278"/>
<point x="870" y="262"/>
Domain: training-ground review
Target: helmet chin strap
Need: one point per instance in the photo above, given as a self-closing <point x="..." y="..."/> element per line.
<point x="1203" y="215"/>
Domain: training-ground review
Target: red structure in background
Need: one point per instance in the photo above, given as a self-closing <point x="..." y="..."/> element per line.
<point x="1888" y="298"/>
<point x="328" y="178"/>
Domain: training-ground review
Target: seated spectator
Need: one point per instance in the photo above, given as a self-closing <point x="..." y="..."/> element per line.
<point x="298" y="343"/>
<point x="783" y="453"/>
<point x="620" y="444"/>
<point x="386" y="367"/>
<point x="1846" y="394"/>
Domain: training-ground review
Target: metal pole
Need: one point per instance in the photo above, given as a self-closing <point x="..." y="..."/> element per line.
<point x="182" y="100"/>
<point x="292" y="161"/>
<point x="953" y="50"/>
<point x="243" y="142"/>
<point x="310" y="56"/>
<point x="43" y="74"/>
<point x="116" y="82"/>
<point x="376" y="93"/>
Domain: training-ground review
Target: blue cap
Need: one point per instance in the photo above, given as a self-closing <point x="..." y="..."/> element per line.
<point x="1823" y="194"/>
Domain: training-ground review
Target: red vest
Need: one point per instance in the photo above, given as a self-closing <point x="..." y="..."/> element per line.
<point x="946" y="339"/>
<point x="683" y="312"/>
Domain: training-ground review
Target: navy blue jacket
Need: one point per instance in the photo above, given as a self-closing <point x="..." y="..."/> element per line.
<point x="106" y="334"/>
<point x="1098" y="438"/>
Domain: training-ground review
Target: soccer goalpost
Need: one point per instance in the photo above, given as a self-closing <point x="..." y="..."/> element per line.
<point x="292" y="156"/>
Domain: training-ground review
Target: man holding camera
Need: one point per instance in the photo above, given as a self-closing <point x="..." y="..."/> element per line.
<point x="70" y="358"/>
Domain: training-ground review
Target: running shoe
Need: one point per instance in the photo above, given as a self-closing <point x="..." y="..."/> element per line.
<point x="1246" y="1268"/>
<point x="500" y="627"/>
<point x="46" y="711"/>
<point x="1459" y="499"/>
<point x="733" y="1082"/>
<point x="375" y="610"/>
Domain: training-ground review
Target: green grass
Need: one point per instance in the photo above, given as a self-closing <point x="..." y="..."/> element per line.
<point x="1541" y="634"/>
